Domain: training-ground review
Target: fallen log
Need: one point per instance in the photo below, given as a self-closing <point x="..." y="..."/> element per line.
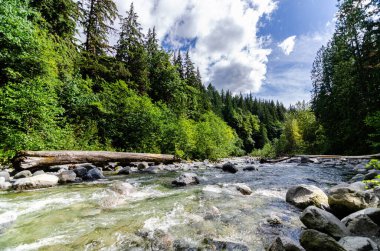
<point x="42" y="159"/>
<point x="371" y="156"/>
<point x="272" y="161"/>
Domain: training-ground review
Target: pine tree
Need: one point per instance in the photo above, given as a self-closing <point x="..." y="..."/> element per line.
<point x="190" y="74"/>
<point x="178" y="62"/>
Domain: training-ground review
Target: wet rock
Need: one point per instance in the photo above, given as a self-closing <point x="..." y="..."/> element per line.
<point x="124" y="171"/>
<point x="250" y="168"/>
<point x="39" y="181"/>
<point x="355" y="243"/>
<point x="359" y="186"/>
<point x="161" y="241"/>
<point x="285" y="244"/>
<point x="123" y="188"/>
<point x="325" y="222"/>
<point x="94" y="174"/>
<point x="186" y="179"/>
<point x="346" y="200"/>
<point x="212" y="213"/>
<point x="80" y="171"/>
<point x="58" y="168"/>
<point x="38" y="172"/>
<point x="88" y="166"/>
<point x="67" y="176"/>
<point x="312" y="240"/>
<point x="229" y="167"/>
<point x="5" y="175"/>
<point x="371" y="175"/>
<point x="303" y="196"/>
<point x="226" y="245"/>
<point x="184" y="245"/>
<point x="372" y="213"/>
<point x="23" y="174"/>
<point x="4" y="185"/>
<point x="142" y="166"/>
<point x="305" y="160"/>
<point x="243" y="189"/>
<point x="274" y="220"/>
<point x="152" y="170"/>
<point x="362" y="225"/>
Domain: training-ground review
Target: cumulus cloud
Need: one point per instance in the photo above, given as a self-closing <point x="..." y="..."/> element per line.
<point x="227" y="49"/>
<point x="287" y="45"/>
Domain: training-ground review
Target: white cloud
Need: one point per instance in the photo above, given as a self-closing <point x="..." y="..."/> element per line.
<point x="227" y="49"/>
<point x="287" y="45"/>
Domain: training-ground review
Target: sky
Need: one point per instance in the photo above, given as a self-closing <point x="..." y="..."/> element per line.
<point x="264" y="47"/>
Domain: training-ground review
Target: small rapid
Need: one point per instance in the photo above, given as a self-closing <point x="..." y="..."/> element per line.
<point x="154" y="215"/>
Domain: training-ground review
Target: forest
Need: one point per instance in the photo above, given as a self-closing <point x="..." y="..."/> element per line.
<point x="60" y="92"/>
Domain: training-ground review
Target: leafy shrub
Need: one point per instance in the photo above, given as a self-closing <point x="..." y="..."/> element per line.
<point x="373" y="164"/>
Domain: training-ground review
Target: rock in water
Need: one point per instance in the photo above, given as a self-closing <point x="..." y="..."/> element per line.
<point x="312" y="240"/>
<point x="142" y="166"/>
<point x="186" y="179"/>
<point x="67" y="176"/>
<point x="355" y="243"/>
<point x="229" y="167"/>
<point x="346" y="200"/>
<point x="226" y="245"/>
<point x="303" y="196"/>
<point x="123" y="188"/>
<point x="318" y="219"/>
<point x="94" y="174"/>
<point x="38" y="172"/>
<point x="4" y="185"/>
<point x="23" y="174"/>
<point x="81" y="171"/>
<point x="243" y="189"/>
<point x="124" y="171"/>
<point x="5" y="175"/>
<point x="285" y="244"/>
<point x="39" y="181"/>
<point x="250" y="168"/>
<point x="372" y="213"/>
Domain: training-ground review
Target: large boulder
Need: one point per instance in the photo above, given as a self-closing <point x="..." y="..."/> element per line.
<point x="226" y="245"/>
<point x="372" y="213"/>
<point x="80" y="171"/>
<point x="4" y="185"/>
<point x="303" y="196"/>
<point x="39" y="181"/>
<point x="312" y="240"/>
<point x="67" y="176"/>
<point x="186" y="179"/>
<point x="323" y="221"/>
<point x="355" y="243"/>
<point x="142" y="166"/>
<point x="243" y="189"/>
<point x="94" y="174"/>
<point x="124" y="171"/>
<point x="23" y="174"/>
<point x="346" y="200"/>
<point x="38" y="172"/>
<point x="362" y="225"/>
<point x="5" y="175"/>
<point x="284" y="244"/>
<point x="229" y="167"/>
<point x="123" y="188"/>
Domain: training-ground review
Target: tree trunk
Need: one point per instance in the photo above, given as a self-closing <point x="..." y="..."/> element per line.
<point x="42" y="159"/>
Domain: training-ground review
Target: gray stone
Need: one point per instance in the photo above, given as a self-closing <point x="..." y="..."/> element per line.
<point x="94" y="174"/>
<point x="80" y="171"/>
<point x="285" y="244"/>
<point x="243" y="189"/>
<point x="142" y="166"/>
<point x="303" y="196"/>
<point x="229" y="167"/>
<point x="186" y="179"/>
<point x="312" y="240"/>
<point x="151" y="170"/>
<point x="38" y="172"/>
<point x="226" y="245"/>
<point x="323" y="221"/>
<point x="250" y="168"/>
<point x="23" y="174"/>
<point x="67" y="176"/>
<point x="125" y="171"/>
<point x="4" y="185"/>
<point x="39" y="181"/>
<point x="355" y="243"/>
<point x="372" y="213"/>
<point x="123" y="188"/>
<point x="362" y="225"/>
<point x="358" y="186"/>
<point x="5" y="175"/>
<point x="371" y="175"/>
<point x="344" y="201"/>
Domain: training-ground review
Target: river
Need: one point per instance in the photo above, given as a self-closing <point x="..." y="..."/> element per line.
<point x="90" y="216"/>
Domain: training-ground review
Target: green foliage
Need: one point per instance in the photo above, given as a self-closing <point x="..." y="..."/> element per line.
<point x="268" y="151"/>
<point x="373" y="121"/>
<point x="373" y="164"/>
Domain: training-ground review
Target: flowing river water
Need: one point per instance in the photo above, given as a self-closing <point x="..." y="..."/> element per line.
<point x="158" y="216"/>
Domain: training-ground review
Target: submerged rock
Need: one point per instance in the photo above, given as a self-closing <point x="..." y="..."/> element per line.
<point x="80" y="171"/>
<point x="142" y="166"/>
<point x="4" y="185"/>
<point x="124" y="171"/>
<point x="123" y="188"/>
<point x="39" y="181"/>
<point x="303" y="196"/>
<point x="23" y="174"/>
<point x="186" y="179"/>
<point x="229" y="167"/>
<point x="5" y="175"/>
<point x="67" y="176"/>
<point x="94" y="174"/>
<point x="318" y="219"/>
<point x="312" y="240"/>
<point x="250" y="168"/>
<point x="355" y="243"/>
<point x="243" y="189"/>
<point x="285" y="244"/>
<point x="225" y="245"/>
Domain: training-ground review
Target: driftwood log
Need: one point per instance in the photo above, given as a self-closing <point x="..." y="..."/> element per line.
<point x="43" y="159"/>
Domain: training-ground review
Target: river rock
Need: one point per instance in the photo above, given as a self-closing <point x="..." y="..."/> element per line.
<point x="4" y="185"/>
<point x="285" y="244"/>
<point x="226" y="245"/>
<point x="142" y="166"/>
<point x="184" y="245"/>
<point x="94" y="174"/>
<point x="346" y="200"/>
<point x="38" y="172"/>
<point x="358" y="177"/>
<point x="23" y="174"/>
<point x="323" y="221"/>
<point x="123" y="188"/>
<point x="372" y="213"/>
<point x="250" y="168"/>
<point x="362" y="225"/>
<point x="312" y="240"/>
<point x="229" y="167"/>
<point x="355" y="243"/>
<point x="186" y="179"/>
<point x="124" y="171"/>
<point x="212" y="213"/>
<point x="303" y="196"/>
<point x="371" y="175"/>
<point x="39" y="181"/>
<point x="243" y="189"/>
<point x="152" y="170"/>
<point x="80" y="171"/>
<point x="5" y="175"/>
<point x="67" y="176"/>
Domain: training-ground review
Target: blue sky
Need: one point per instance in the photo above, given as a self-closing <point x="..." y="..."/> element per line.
<point x="262" y="46"/>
